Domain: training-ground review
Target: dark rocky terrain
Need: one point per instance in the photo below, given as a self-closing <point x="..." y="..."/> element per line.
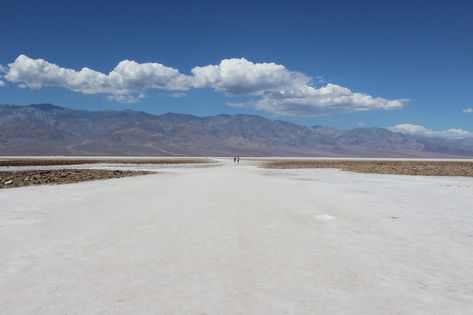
<point x="402" y="167"/>
<point x="46" y="129"/>
<point x="67" y="176"/>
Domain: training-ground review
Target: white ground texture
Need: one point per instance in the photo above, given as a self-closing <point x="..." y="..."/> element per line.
<point x="237" y="239"/>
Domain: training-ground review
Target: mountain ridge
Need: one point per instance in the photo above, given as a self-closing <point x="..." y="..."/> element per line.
<point x="47" y="129"/>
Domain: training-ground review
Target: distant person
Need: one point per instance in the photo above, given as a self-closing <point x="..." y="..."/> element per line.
<point x="234" y="159"/>
<point x="238" y="159"/>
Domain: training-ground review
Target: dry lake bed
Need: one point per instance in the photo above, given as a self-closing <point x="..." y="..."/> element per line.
<point x="221" y="238"/>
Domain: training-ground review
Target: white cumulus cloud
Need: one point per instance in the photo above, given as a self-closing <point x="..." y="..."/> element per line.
<point x="311" y="101"/>
<point x="243" y="77"/>
<point x="125" y="82"/>
<point x="277" y="89"/>
<point x="468" y="110"/>
<point x="453" y="133"/>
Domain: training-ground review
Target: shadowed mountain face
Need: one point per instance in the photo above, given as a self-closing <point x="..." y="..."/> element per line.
<point x="46" y="129"/>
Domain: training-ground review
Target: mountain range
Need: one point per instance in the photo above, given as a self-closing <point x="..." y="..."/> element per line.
<point x="46" y="129"/>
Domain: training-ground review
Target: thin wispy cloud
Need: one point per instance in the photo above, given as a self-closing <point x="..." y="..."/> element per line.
<point x="238" y="104"/>
<point x="178" y="94"/>
<point x="278" y="90"/>
<point x="320" y="79"/>
<point x="452" y="133"/>
<point x="468" y="110"/>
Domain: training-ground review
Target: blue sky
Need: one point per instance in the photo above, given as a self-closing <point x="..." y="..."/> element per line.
<point x="404" y="62"/>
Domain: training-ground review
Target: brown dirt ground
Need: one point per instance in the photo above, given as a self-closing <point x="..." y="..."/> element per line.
<point x="42" y="177"/>
<point x="423" y="168"/>
<point x="50" y="162"/>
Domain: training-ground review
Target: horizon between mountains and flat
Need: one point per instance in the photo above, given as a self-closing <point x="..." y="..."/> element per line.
<point x="403" y="66"/>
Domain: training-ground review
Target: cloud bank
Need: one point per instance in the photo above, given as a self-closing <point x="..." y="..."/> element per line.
<point x="452" y="133"/>
<point x="276" y="89"/>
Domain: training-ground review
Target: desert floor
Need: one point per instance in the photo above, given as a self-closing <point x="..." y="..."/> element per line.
<point x="238" y="239"/>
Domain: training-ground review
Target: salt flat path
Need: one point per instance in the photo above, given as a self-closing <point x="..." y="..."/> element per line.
<point x="239" y="240"/>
